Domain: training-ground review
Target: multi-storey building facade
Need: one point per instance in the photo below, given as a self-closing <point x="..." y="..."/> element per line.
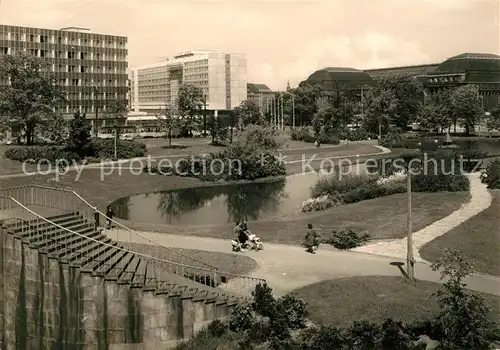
<point x="90" y="67"/>
<point x="221" y="76"/>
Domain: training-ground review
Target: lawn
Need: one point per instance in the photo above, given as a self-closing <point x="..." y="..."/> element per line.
<point x="478" y="238"/>
<point x="341" y="301"/>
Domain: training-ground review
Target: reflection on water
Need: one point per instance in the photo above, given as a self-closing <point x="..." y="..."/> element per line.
<point x="219" y="204"/>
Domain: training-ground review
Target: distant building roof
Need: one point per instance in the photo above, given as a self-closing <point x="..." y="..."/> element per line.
<point x="414" y="70"/>
<point x="470" y="62"/>
<point x="258" y="88"/>
<point x="344" y="77"/>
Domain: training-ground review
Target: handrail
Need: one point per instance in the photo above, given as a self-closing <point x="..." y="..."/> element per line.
<point x="77" y="195"/>
<point x="145" y="256"/>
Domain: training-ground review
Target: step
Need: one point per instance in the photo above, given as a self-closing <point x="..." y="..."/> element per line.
<point x="119" y="269"/>
<point x="68" y="240"/>
<point x="150" y="281"/>
<point x="58" y="235"/>
<point x="140" y="274"/>
<point x="77" y="252"/>
<point x="32" y="235"/>
<point x="113" y="263"/>
<point x="39" y="223"/>
<point x="128" y="273"/>
<point x="92" y="254"/>
<point x="78" y="244"/>
<point x="55" y="218"/>
<point x="101" y="259"/>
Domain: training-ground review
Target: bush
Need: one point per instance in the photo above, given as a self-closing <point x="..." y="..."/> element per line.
<point x="321" y="203"/>
<point x="333" y="185"/>
<point x="326" y="139"/>
<point x="105" y="149"/>
<point x="300" y="134"/>
<point x="35" y="154"/>
<point x="241" y="318"/>
<point x="346" y="239"/>
<point x="491" y="175"/>
<point x="357" y="135"/>
<point x="305" y="135"/>
<point x="447" y="176"/>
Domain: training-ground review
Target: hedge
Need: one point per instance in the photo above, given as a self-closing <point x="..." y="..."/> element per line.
<point x="98" y="149"/>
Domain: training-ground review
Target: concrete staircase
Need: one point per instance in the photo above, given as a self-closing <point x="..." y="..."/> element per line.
<point x="80" y="245"/>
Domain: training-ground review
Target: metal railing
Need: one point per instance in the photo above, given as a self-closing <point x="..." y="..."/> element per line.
<point x="54" y="201"/>
<point x="96" y="256"/>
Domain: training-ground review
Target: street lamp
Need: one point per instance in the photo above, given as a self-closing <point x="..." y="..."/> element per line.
<point x="96" y="110"/>
<point x="410" y="260"/>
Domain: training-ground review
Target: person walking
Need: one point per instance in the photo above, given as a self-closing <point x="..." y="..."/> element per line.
<point x="311" y="240"/>
<point x="109" y="216"/>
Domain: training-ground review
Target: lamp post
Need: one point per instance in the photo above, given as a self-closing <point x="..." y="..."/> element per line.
<point x="96" y="111"/>
<point x="410" y="260"/>
<point x="204" y="114"/>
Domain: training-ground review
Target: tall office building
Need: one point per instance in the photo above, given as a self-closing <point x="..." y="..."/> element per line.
<point x="90" y="67"/>
<point x="221" y="76"/>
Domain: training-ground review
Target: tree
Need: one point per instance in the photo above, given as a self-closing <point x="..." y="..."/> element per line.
<point x="464" y="315"/>
<point x="169" y="119"/>
<point x="395" y="100"/>
<point x="32" y="95"/>
<point x="117" y="109"/>
<point x="248" y="112"/>
<point x="493" y="120"/>
<point x="79" y="139"/>
<point x="190" y="104"/>
<point x="466" y="107"/>
<point x="305" y="103"/>
<point x="380" y="109"/>
<point x="218" y="130"/>
<point x="408" y="94"/>
<point x="437" y="113"/>
<point x="54" y="129"/>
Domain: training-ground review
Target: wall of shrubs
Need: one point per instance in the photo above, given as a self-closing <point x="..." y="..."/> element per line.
<point x="98" y="149"/>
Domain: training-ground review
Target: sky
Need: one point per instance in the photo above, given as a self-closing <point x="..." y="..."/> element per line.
<point x="283" y="40"/>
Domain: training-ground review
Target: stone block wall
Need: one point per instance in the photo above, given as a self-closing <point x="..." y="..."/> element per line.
<point x="48" y="305"/>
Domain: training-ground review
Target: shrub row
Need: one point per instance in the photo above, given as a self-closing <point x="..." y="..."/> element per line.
<point x="304" y="134"/>
<point x="218" y="167"/>
<point x="481" y="146"/>
<point x="100" y="149"/>
<point x="354" y="188"/>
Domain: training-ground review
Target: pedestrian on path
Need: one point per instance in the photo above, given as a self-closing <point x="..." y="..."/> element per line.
<point x="109" y="217"/>
<point x="311" y="240"/>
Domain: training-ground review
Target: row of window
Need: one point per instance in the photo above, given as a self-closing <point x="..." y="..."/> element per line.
<point x="67" y="54"/>
<point x="34" y="38"/>
<point x="196" y="69"/>
<point x="455" y="79"/>
<point x="62" y="68"/>
<point x="196" y="63"/>
<point x="90" y="83"/>
<point x="193" y="77"/>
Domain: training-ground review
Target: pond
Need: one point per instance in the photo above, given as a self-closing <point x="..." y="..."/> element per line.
<point x="219" y="204"/>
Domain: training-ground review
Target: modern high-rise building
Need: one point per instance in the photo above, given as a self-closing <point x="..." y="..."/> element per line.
<point x="221" y="76"/>
<point x="90" y="67"/>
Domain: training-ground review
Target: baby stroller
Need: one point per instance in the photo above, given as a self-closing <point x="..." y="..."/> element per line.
<point x="252" y="242"/>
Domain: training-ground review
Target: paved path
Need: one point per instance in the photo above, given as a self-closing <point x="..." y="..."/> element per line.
<point x="480" y="200"/>
<point x="287" y="267"/>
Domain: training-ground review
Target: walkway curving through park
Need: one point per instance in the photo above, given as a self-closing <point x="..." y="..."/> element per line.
<point x="287" y="267"/>
<point x="480" y="199"/>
